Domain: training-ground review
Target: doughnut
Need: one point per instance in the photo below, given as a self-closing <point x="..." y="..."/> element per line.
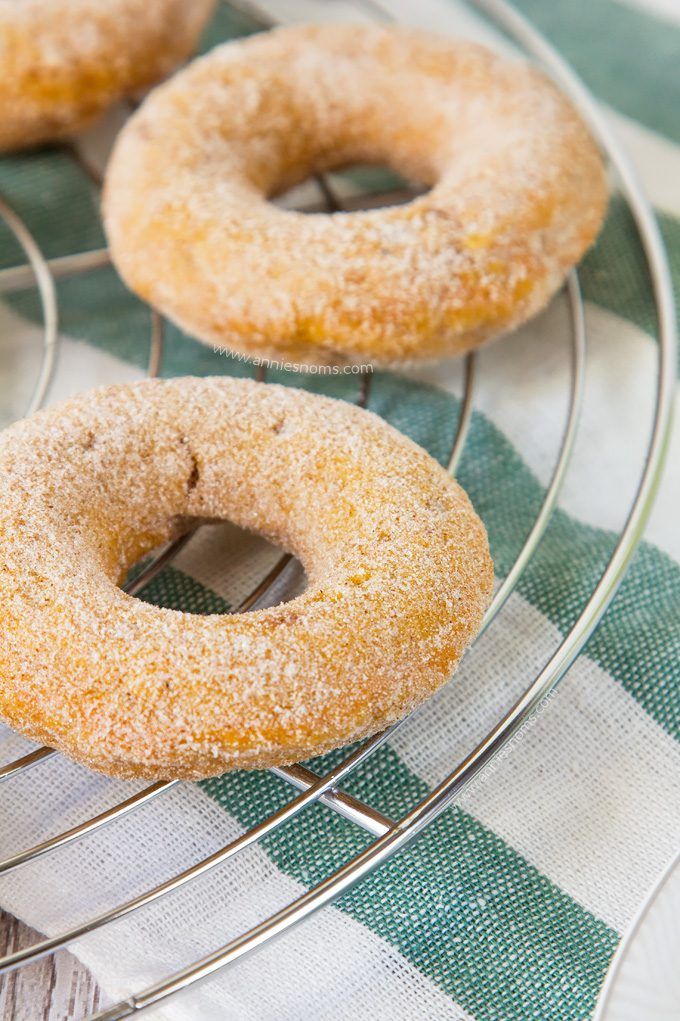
<point x="517" y="194"/>
<point x="64" y="61"/>
<point x="396" y="560"/>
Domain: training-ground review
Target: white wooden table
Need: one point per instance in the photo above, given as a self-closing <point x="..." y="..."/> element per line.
<point x="58" y="988"/>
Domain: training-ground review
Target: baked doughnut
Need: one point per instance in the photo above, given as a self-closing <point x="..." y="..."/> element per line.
<point x="518" y="194"/>
<point x="397" y="564"/>
<point x="64" y="61"/>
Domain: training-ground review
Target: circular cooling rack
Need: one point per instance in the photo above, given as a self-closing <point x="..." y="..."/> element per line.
<point x="389" y="835"/>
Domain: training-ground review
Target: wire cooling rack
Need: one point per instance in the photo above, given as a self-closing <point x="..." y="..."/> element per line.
<point x="389" y="835"/>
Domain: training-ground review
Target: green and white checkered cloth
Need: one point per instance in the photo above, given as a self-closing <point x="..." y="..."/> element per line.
<point x="512" y="904"/>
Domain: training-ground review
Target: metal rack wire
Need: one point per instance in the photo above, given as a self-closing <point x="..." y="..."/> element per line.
<point x="390" y="835"/>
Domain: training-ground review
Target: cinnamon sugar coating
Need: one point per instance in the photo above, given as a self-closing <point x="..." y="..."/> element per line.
<point x="518" y="193"/>
<point x="397" y="562"/>
<point x="64" y="61"/>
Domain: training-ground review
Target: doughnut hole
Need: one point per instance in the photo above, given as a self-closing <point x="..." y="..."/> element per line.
<point x="218" y="572"/>
<point x="357" y="186"/>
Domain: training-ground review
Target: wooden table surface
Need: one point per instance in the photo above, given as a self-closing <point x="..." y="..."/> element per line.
<point x="57" y="988"/>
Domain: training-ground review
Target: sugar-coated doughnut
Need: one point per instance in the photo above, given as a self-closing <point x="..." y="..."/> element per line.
<point x="517" y="195"/>
<point x="396" y="559"/>
<point x="64" y="61"/>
